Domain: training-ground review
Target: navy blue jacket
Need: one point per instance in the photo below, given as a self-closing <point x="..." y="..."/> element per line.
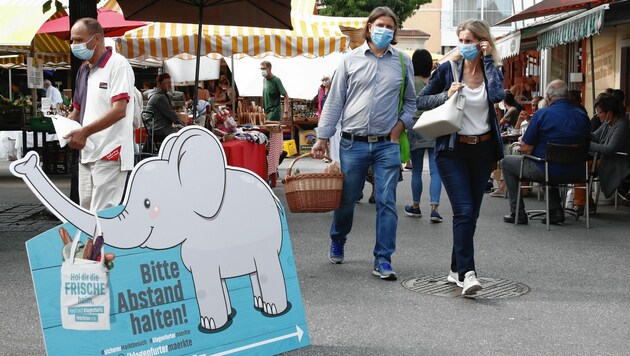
<point x="435" y="93"/>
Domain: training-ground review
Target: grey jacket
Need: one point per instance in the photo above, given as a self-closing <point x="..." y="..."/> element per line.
<point x="160" y="104"/>
<point x="607" y="140"/>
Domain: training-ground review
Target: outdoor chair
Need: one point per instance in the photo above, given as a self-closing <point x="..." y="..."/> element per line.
<point x="149" y="148"/>
<point x="569" y="155"/>
<point x="594" y="178"/>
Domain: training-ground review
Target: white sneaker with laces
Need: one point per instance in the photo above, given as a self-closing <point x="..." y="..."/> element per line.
<point x="471" y="283"/>
<point x="453" y="277"/>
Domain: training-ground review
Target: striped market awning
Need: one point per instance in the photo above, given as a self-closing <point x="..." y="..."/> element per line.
<point x="50" y="49"/>
<point x="165" y="40"/>
<point x="575" y="28"/>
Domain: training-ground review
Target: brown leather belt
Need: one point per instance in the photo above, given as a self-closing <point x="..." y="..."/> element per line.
<point x="473" y="140"/>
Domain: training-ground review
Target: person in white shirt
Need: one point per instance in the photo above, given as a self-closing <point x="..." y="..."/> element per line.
<point x="104" y="106"/>
<point x="52" y="93"/>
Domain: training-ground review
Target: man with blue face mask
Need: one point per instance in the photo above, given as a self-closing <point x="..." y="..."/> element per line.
<point x="364" y="98"/>
<point x="102" y="105"/>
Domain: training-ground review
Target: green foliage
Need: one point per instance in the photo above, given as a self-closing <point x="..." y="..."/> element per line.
<point x="48" y="5"/>
<point x="362" y="8"/>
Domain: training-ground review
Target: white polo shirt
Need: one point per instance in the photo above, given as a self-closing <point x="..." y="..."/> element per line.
<point x="111" y="80"/>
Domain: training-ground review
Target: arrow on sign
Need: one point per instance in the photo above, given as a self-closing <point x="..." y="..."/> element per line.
<point x="298" y="332"/>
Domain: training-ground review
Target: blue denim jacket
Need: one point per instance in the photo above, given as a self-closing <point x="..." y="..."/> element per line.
<point x="435" y="93"/>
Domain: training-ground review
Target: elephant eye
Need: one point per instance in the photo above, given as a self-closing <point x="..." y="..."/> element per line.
<point x="147" y="203"/>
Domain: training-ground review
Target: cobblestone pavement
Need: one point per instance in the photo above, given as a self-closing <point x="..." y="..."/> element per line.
<point x="25" y="217"/>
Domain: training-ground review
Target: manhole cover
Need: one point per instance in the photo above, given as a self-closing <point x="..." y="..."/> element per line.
<point x="493" y="288"/>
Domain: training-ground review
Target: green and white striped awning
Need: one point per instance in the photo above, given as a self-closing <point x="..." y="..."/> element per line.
<point x="573" y="29"/>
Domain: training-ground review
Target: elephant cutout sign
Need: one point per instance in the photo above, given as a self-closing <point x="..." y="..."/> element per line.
<point x="188" y="198"/>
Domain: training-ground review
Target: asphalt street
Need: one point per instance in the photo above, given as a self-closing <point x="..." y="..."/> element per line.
<point x="578" y="301"/>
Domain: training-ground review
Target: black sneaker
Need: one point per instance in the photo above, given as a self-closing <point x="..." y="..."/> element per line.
<point x="489" y="186"/>
<point x="556" y="216"/>
<point x="522" y="218"/>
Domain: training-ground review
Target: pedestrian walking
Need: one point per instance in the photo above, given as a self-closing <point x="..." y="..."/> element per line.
<point x="422" y="65"/>
<point x="364" y="97"/>
<point x="465" y="158"/>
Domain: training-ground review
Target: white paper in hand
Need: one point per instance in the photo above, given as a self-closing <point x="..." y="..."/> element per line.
<point x="63" y="126"/>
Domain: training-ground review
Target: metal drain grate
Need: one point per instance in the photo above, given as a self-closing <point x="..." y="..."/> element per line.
<point x="492" y="288"/>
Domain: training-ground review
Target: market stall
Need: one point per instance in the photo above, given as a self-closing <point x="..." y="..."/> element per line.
<point x="165" y="40"/>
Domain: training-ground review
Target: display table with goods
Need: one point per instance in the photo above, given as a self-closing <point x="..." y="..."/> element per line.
<point x="304" y="117"/>
<point x="249" y="125"/>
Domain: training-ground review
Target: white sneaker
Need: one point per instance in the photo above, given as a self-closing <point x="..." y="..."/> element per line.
<point x="453" y="277"/>
<point x="471" y="284"/>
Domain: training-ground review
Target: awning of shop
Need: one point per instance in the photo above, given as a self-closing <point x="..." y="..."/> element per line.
<point x="551" y="7"/>
<point x="509" y="45"/>
<point x="48" y="48"/>
<point x="573" y="29"/>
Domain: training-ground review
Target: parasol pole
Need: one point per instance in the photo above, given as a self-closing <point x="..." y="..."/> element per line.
<point x="197" y="60"/>
<point x="10" y="83"/>
<point x="233" y="84"/>
<point x="592" y="71"/>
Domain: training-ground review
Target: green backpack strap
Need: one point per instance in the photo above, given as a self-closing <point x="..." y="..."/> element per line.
<point x="404" y="82"/>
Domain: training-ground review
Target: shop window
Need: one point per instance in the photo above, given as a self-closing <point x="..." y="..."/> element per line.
<point x="492" y="11"/>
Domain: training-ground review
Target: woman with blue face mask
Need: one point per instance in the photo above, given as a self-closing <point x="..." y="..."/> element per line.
<point x="465" y="159"/>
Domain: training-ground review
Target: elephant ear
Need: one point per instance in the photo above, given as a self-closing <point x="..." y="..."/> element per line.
<point x="199" y="161"/>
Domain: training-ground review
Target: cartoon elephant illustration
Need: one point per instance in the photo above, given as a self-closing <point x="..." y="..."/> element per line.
<point x="227" y="220"/>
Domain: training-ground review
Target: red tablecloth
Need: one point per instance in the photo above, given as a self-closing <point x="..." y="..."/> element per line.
<point x="246" y="154"/>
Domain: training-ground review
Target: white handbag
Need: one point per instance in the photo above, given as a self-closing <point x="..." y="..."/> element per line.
<point x="446" y="118"/>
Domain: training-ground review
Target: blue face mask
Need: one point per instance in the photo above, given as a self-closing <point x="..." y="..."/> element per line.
<point x="81" y="51"/>
<point x="468" y="51"/>
<point x="382" y="37"/>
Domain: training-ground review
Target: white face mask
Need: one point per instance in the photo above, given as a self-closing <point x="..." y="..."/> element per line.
<point x="81" y="51"/>
<point x="264" y="73"/>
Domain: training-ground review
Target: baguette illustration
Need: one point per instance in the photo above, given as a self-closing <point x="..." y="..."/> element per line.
<point x="87" y="251"/>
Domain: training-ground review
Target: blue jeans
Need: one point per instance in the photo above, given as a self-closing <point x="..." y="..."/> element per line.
<point x="465" y="173"/>
<point x="435" y="187"/>
<point x="355" y="158"/>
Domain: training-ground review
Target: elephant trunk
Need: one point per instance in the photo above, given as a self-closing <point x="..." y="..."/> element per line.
<point x="58" y="203"/>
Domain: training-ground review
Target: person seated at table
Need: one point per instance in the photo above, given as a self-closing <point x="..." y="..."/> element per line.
<point x="538" y="102"/>
<point x="575" y="96"/>
<point x="560" y="123"/>
<point x="165" y="120"/>
<point x="617" y="93"/>
<point x="612" y="136"/>
<point x="213" y="88"/>
<point x="226" y="95"/>
<point x="511" y="115"/>
<point x="523" y="91"/>
<point x="202" y="94"/>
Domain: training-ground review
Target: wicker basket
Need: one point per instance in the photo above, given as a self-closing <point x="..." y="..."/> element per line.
<point x="312" y="192"/>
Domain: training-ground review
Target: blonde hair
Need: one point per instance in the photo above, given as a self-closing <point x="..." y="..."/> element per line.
<point x="481" y="30"/>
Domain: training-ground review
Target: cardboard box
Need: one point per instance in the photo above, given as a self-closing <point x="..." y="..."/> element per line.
<point x="306" y="140"/>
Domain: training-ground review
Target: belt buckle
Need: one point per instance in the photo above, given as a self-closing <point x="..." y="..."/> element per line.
<point x="475" y="140"/>
<point x="372" y="139"/>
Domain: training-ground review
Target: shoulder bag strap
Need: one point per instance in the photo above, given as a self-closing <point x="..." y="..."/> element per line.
<point x="404" y="82"/>
<point x="454" y="70"/>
